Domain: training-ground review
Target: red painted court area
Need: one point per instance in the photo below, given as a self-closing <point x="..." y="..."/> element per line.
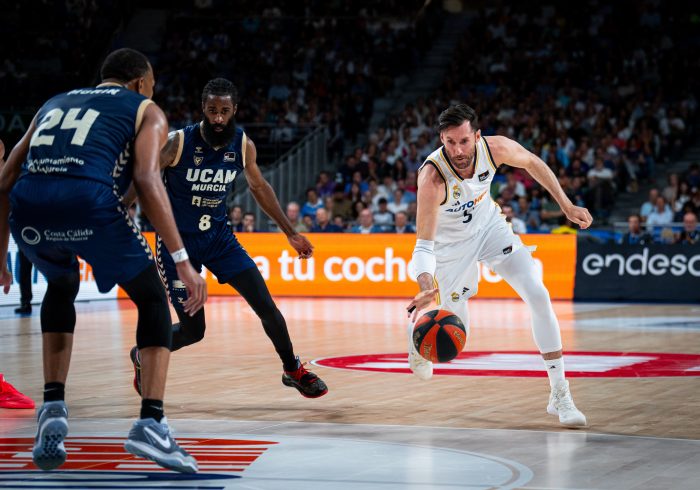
<point x="107" y="454"/>
<point x="529" y="364"/>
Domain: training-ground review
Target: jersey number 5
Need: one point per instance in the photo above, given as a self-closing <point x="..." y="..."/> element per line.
<point x="71" y="121"/>
<point x="467" y="216"/>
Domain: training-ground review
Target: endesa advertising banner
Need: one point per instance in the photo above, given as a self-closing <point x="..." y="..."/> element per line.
<point x="379" y="265"/>
<point x="88" y="286"/>
<point x="638" y="273"/>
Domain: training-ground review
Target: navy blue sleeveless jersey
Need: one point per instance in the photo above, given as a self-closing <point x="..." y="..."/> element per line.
<point x="67" y="201"/>
<point x="199" y="179"/>
<point x="87" y="134"/>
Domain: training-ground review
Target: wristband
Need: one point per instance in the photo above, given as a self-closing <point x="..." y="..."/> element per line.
<point x="424" y="257"/>
<point x="180" y="255"/>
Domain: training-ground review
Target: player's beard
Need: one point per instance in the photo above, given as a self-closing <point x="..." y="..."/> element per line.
<point x="216" y="138"/>
<point x="464" y="162"/>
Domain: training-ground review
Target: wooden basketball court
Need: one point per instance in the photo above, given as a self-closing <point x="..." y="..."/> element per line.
<point x="231" y="382"/>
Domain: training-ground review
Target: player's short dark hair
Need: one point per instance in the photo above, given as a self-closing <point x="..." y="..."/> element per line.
<point x="124" y="65"/>
<point x="455" y="115"/>
<point x="222" y="87"/>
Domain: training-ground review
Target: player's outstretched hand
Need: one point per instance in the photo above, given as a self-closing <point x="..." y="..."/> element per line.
<point x="302" y="245"/>
<point x="579" y="216"/>
<point x="5" y="277"/>
<point x="196" y="287"/>
<point x="420" y="302"/>
<point x="2" y="152"/>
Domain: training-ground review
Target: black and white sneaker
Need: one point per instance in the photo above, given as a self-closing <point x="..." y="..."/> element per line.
<point x="49" y="452"/>
<point x="152" y="440"/>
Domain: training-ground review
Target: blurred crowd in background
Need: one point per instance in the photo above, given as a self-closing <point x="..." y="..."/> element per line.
<point x="601" y="92"/>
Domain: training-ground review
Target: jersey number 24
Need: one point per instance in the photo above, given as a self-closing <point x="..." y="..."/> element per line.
<point x="54" y="117"/>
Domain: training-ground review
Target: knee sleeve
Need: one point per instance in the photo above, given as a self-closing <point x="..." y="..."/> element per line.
<point x="189" y="330"/>
<point x="520" y="272"/>
<point x="57" y="308"/>
<point x="154" y="328"/>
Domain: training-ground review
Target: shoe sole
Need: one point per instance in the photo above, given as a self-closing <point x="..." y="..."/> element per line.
<point x="48" y="452"/>
<point x="169" y="461"/>
<point x="305" y="395"/>
<point x="553" y="411"/>
<point x="16" y="405"/>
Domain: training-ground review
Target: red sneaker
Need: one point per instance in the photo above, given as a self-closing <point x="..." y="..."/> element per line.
<point x="11" y="398"/>
<point x="306" y="382"/>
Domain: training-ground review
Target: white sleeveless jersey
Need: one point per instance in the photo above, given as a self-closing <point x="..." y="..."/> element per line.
<point x="468" y="208"/>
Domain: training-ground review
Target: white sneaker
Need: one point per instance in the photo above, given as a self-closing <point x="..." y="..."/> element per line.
<point x="419" y="365"/>
<point x="561" y="403"/>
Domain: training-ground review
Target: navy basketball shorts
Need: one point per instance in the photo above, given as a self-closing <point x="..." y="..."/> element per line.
<point x="55" y="220"/>
<point x="217" y="249"/>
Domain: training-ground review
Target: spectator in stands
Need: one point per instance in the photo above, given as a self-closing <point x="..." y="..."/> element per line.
<point x="566" y="227"/>
<point x="342" y="205"/>
<point x="235" y="218"/>
<point x="682" y="196"/>
<point x="670" y="192"/>
<point x="693" y="176"/>
<point x="359" y="181"/>
<point x="401" y="224"/>
<point x="397" y="203"/>
<point x="366" y="223"/>
<point x="340" y="222"/>
<point x="294" y="217"/>
<point x="308" y="221"/>
<point x="411" y="211"/>
<point x="661" y="215"/>
<point x="355" y="193"/>
<point x="313" y="202"/>
<point x="635" y="235"/>
<point x="323" y="223"/>
<point x="550" y="213"/>
<point x="649" y="205"/>
<point x="690" y="235"/>
<point x="518" y="225"/>
<point x="382" y="216"/>
<point x="249" y="223"/>
<point x="600" y="188"/>
<point x="516" y="187"/>
<point x="530" y="217"/>
<point x="399" y="171"/>
<point x="688" y="207"/>
<point x="325" y="185"/>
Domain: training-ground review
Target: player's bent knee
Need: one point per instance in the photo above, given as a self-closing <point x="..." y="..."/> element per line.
<point x="191" y="328"/>
<point x="154" y="327"/>
<point x="57" y="309"/>
<point x="536" y="294"/>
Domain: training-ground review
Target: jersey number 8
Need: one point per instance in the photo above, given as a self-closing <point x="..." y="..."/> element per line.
<point x="205" y="222"/>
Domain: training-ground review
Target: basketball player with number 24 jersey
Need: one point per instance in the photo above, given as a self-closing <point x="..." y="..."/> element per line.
<point x="458" y="225"/>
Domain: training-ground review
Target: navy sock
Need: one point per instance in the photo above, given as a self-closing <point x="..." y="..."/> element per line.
<point x="54" y="392"/>
<point x="152" y="409"/>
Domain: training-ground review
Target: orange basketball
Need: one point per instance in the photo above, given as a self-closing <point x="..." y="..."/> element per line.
<point x="439" y="335"/>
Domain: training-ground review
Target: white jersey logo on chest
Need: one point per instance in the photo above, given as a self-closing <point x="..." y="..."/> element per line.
<point x="209" y="175"/>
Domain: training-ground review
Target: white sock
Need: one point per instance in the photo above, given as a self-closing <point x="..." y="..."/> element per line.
<point x="555" y="371"/>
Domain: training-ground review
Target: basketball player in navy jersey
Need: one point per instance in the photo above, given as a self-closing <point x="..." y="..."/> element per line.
<point x="200" y="163"/>
<point x="60" y="195"/>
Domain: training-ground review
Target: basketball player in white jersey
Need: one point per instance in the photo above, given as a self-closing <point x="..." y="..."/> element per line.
<point x="458" y="225"/>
